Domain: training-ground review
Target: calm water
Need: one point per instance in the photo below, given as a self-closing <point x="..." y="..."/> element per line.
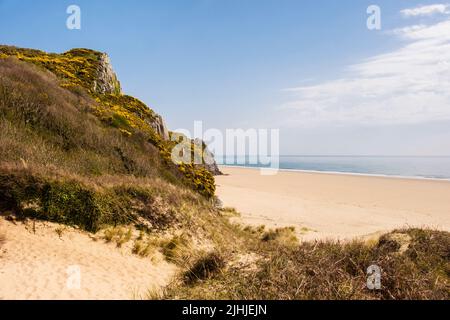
<point x="424" y="167"/>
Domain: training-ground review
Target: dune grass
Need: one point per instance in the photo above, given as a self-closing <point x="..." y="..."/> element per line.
<point x="207" y="266"/>
<point x="331" y="270"/>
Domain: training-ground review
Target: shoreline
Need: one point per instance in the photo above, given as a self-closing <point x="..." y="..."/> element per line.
<point x="357" y="174"/>
<point x="334" y="206"/>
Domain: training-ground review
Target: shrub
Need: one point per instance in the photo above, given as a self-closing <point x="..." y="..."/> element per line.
<point x="59" y="200"/>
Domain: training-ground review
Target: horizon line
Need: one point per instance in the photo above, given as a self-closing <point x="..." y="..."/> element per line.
<point x="343" y="156"/>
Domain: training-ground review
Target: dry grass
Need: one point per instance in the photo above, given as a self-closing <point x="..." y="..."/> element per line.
<point x="146" y="245"/>
<point x="118" y="235"/>
<point x="142" y="248"/>
<point x="335" y="271"/>
<point x="44" y="124"/>
<point x="284" y="236"/>
<point x="178" y="249"/>
<point x="207" y="266"/>
<point x="60" y="231"/>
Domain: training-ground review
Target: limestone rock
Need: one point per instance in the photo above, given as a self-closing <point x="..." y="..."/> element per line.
<point x="208" y="159"/>
<point x="106" y="82"/>
<point x="159" y="125"/>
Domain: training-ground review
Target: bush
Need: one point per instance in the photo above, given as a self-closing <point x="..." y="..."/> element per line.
<point x="60" y="200"/>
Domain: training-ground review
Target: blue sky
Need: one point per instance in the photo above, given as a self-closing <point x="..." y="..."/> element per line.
<point x="305" y="67"/>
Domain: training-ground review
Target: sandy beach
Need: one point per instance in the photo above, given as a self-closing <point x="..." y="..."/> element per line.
<point x="334" y="206"/>
<point x="36" y="263"/>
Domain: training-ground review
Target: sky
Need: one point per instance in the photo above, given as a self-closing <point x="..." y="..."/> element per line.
<point x="311" y="69"/>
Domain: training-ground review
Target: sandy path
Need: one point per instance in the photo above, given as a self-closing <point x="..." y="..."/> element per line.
<point x="335" y="206"/>
<point x="41" y="265"/>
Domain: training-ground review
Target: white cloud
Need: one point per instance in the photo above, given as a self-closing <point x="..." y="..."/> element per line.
<point x="408" y="85"/>
<point x="426" y="10"/>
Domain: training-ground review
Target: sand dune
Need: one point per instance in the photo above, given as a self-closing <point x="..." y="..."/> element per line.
<point x="335" y="206"/>
<point x="42" y="265"/>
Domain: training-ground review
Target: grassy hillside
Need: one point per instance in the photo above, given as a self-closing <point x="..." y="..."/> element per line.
<point x="76" y="151"/>
<point x="73" y="84"/>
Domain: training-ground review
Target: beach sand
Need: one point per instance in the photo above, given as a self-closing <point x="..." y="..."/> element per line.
<point x="36" y="263"/>
<point x="334" y="206"/>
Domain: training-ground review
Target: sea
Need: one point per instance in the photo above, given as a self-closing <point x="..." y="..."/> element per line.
<point x="426" y="167"/>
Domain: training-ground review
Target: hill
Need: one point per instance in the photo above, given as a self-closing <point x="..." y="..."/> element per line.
<point x="66" y="122"/>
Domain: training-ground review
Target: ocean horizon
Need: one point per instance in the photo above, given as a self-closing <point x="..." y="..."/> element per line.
<point x="425" y="167"/>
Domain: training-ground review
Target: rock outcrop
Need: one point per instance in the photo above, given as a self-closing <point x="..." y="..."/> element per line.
<point x="106" y="81"/>
<point x="159" y="125"/>
<point x="209" y="159"/>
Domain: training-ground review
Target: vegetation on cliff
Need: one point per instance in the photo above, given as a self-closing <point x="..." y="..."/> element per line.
<point x="82" y="71"/>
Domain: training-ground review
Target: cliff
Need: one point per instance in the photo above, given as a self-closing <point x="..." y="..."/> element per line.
<point x="92" y="71"/>
<point x="106" y="80"/>
<point x="89" y="72"/>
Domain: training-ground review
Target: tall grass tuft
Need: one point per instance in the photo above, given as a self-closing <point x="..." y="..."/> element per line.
<point x="207" y="266"/>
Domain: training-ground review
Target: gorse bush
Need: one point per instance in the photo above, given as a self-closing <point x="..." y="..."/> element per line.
<point x="77" y="67"/>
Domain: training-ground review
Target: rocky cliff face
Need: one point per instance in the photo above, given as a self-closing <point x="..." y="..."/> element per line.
<point x="208" y="159"/>
<point x="159" y="125"/>
<point x="106" y="81"/>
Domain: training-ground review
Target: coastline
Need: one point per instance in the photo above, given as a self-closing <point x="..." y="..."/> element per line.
<point x="375" y="175"/>
<point x="323" y="205"/>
